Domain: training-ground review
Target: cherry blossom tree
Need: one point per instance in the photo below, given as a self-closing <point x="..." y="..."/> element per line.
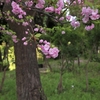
<point x="19" y="15"/>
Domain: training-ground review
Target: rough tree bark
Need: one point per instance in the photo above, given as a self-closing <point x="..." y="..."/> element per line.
<point x="27" y="72"/>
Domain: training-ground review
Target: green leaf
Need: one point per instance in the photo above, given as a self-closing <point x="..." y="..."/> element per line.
<point x="38" y="35"/>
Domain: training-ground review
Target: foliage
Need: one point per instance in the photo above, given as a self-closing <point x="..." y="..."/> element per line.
<point x="73" y="85"/>
<point x="70" y="42"/>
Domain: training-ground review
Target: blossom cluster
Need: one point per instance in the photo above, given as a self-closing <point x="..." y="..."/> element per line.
<point x="45" y="46"/>
<point x="89" y="14"/>
<point x="78" y="2"/>
<point x="29" y="3"/>
<point x="50" y="9"/>
<point x="74" y="2"/>
<point x="40" y="4"/>
<point x="17" y="10"/>
<point x="47" y="50"/>
<point x="74" y="23"/>
<point x="89" y="27"/>
<point x="27" y="39"/>
<point x="39" y="29"/>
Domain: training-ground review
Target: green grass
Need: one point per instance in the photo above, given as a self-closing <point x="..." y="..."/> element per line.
<point x="9" y="88"/>
<point x="74" y="85"/>
<point x="74" y="89"/>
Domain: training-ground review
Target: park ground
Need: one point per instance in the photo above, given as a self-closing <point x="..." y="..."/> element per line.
<point x="74" y="83"/>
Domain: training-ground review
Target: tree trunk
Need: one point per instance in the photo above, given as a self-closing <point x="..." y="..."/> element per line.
<point x="60" y="85"/>
<point x="27" y="73"/>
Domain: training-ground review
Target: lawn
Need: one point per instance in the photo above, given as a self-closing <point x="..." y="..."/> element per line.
<point x="74" y="84"/>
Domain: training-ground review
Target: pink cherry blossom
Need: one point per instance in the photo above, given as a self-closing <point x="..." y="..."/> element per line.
<point x="45" y="42"/>
<point x="25" y="43"/>
<point x="42" y="30"/>
<point x="26" y="32"/>
<point x="25" y="23"/>
<point x="85" y="19"/>
<point x="89" y="13"/>
<point x="41" y="41"/>
<point x="60" y="4"/>
<point x="47" y="50"/>
<point x="24" y="38"/>
<point x="48" y="43"/>
<point x="20" y="16"/>
<point x="61" y="18"/>
<point x="14" y="38"/>
<point x="95" y="17"/>
<point x="48" y="56"/>
<point x="68" y="17"/>
<point x="46" y="47"/>
<point x="89" y="27"/>
<point x="53" y="52"/>
<point x="41" y="1"/>
<point x="75" y="23"/>
<point x="49" y="9"/>
<point x="67" y="1"/>
<point x="29" y="3"/>
<point x="86" y="11"/>
<point x="63" y="32"/>
<point x="78" y="1"/>
<point x="17" y="10"/>
<point x="58" y="10"/>
<point x="95" y="14"/>
<point x="40" y="4"/>
<point x="7" y="1"/>
<point x="9" y="33"/>
<point x="36" y="29"/>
